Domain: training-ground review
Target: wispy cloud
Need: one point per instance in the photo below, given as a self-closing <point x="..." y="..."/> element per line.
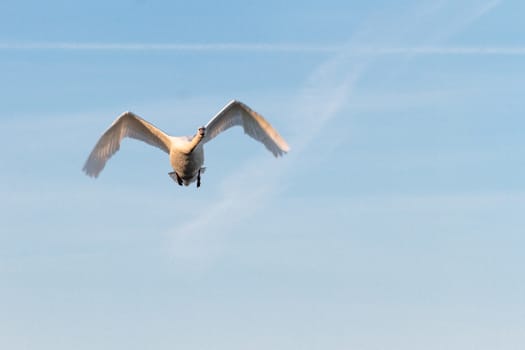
<point x="210" y="47"/>
<point x="376" y="50"/>
<point x="486" y="8"/>
<point x="325" y="94"/>
<point x="439" y="50"/>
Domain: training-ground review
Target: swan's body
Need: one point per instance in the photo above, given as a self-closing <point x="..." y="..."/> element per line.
<point x="186" y="152"/>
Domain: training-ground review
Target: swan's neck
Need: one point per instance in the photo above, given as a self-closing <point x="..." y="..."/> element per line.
<point x="194" y="142"/>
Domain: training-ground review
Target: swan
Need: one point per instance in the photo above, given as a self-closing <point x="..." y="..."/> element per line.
<point x="186" y="152"/>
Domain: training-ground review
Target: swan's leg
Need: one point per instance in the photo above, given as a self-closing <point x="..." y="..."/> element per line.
<point x="175" y="177"/>
<point x="199" y="179"/>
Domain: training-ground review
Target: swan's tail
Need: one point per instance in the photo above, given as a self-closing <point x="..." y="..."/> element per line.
<point x="186" y="181"/>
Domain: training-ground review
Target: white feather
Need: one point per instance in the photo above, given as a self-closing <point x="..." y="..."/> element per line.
<point x="186" y="153"/>
<point x="237" y="113"/>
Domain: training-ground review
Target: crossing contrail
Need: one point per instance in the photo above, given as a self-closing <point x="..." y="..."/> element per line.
<point x="269" y="47"/>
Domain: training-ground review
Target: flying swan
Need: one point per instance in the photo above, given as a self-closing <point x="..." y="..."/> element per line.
<point x="186" y="152"/>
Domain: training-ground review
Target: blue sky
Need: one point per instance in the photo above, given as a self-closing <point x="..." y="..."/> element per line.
<point x="396" y="221"/>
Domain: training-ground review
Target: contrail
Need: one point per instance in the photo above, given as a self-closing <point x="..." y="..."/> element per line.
<point x="271" y="48"/>
<point x="440" y="50"/>
<point x="326" y="92"/>
<point x="211" y="47"/>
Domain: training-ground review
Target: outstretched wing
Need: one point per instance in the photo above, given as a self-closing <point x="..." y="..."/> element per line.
<point x="237" y="113"/>
<point x="126" y="125"/>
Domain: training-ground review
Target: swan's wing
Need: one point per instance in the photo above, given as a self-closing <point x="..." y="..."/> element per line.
<point x="237" y="113"/>
<point x="126" y="125"/>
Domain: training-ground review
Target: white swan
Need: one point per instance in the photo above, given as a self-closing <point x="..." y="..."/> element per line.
<point x="186" y="152"/>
